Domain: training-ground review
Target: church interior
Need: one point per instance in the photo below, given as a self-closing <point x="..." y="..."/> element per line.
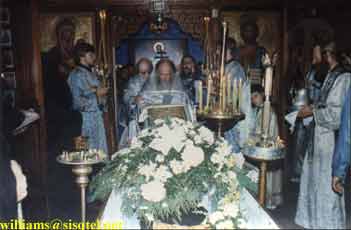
<point x="73" y="82"/>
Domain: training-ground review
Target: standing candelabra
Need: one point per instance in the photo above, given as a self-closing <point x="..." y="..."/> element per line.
<point x="223" y="98"/>
<point x="82" y="161"/>
<point x="262" y="147"/>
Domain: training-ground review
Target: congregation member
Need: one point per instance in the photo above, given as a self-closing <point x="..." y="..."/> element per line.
<point x="318" y="205"/>
<point x="88" y="96"/>
<point x="342" y="153"/>
<point x="274" y="186"/>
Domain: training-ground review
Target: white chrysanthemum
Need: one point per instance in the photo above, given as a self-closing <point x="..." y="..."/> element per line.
<point x="153" y="191"/>
<point x="253" y="175"/>
<point x="147" y="170"/>
<point x="136" y="143"/>
<point x="231" y="209"/>
<point x="206" y="135"/>
<point x="192" y="133"/>
<point x="218" y="158"/>
<point x="160" y="158"/>
<point x="239" y="160"/>
<point x="162" y="174"/>
<point x="197" y="140"/>
<point x="158" y="121"/>
<point x="145" y="132"/>
<point x="227" y="224"/>
<point x="224" y="149"/>
<point x="192" y="155"/>
<point x="161" y="145"/>
<point x="176" y="166"/>
<point x="231" y="175"/>
<point x="215" y="217"/>
<point x="123" y="151"/>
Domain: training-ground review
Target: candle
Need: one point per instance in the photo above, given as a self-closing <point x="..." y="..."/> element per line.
<point x="200" y="96"/>
<point x="235" y="95"/>
<point x="239" y="94"/>
<point x="266" y="118"/>
<point x="209" y="88"/>
<point x="229" y="88"/>
<point x="268" y="81"/>
<point x="224" y="93"/>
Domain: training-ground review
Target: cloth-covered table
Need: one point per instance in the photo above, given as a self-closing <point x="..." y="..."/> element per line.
<point x="256" y="217"/>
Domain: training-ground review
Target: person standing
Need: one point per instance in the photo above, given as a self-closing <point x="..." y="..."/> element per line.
<point x="318" y="206"/>
<point x="132" y="97"/>
<point x="274" y="186"/>
<point x="189" y="74"/>
<point x="342" y="153"/>
<point x="88" y="96"/>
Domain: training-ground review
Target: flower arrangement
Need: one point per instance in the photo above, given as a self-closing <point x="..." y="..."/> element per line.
<point x="169" y="168"/>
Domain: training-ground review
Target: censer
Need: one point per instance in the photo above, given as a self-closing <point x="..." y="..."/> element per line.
<point x="222" y="109"/>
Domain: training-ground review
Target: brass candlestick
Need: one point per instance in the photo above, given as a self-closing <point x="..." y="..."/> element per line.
<point x="220" y="114"/>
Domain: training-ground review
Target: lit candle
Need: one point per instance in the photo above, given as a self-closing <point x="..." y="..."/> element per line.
<point x="200" y="96"/>
<point x="235" y="95"/>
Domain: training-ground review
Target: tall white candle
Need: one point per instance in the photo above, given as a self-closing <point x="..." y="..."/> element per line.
<point x="229" y="90"/>
<point x="200" y="96"/>
<point x="209" y="89"/>
<point x="268" y="81"/>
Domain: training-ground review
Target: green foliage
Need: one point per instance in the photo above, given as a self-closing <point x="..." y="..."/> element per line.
<point x="184" y="190"/>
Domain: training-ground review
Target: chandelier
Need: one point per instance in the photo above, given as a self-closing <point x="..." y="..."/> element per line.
<point x="158" y="8"/>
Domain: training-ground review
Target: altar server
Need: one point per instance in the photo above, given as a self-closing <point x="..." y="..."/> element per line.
<point x="88" y="96"/>
<point x="274" y="194"/>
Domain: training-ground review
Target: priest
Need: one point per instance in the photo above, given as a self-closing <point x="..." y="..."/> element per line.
<point x="318" y="206"/>
<point x="164" y="87"/>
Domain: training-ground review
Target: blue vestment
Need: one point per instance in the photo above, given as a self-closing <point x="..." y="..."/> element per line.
<point x="81" y="82"/>
<point x="342" y="154"/>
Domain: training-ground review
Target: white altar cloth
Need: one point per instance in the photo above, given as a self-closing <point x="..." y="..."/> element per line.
<point x="256" y="217"/>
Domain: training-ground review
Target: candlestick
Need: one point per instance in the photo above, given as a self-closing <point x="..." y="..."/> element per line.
<point x="235" y="95"/>
<point x="200" y="96"/>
